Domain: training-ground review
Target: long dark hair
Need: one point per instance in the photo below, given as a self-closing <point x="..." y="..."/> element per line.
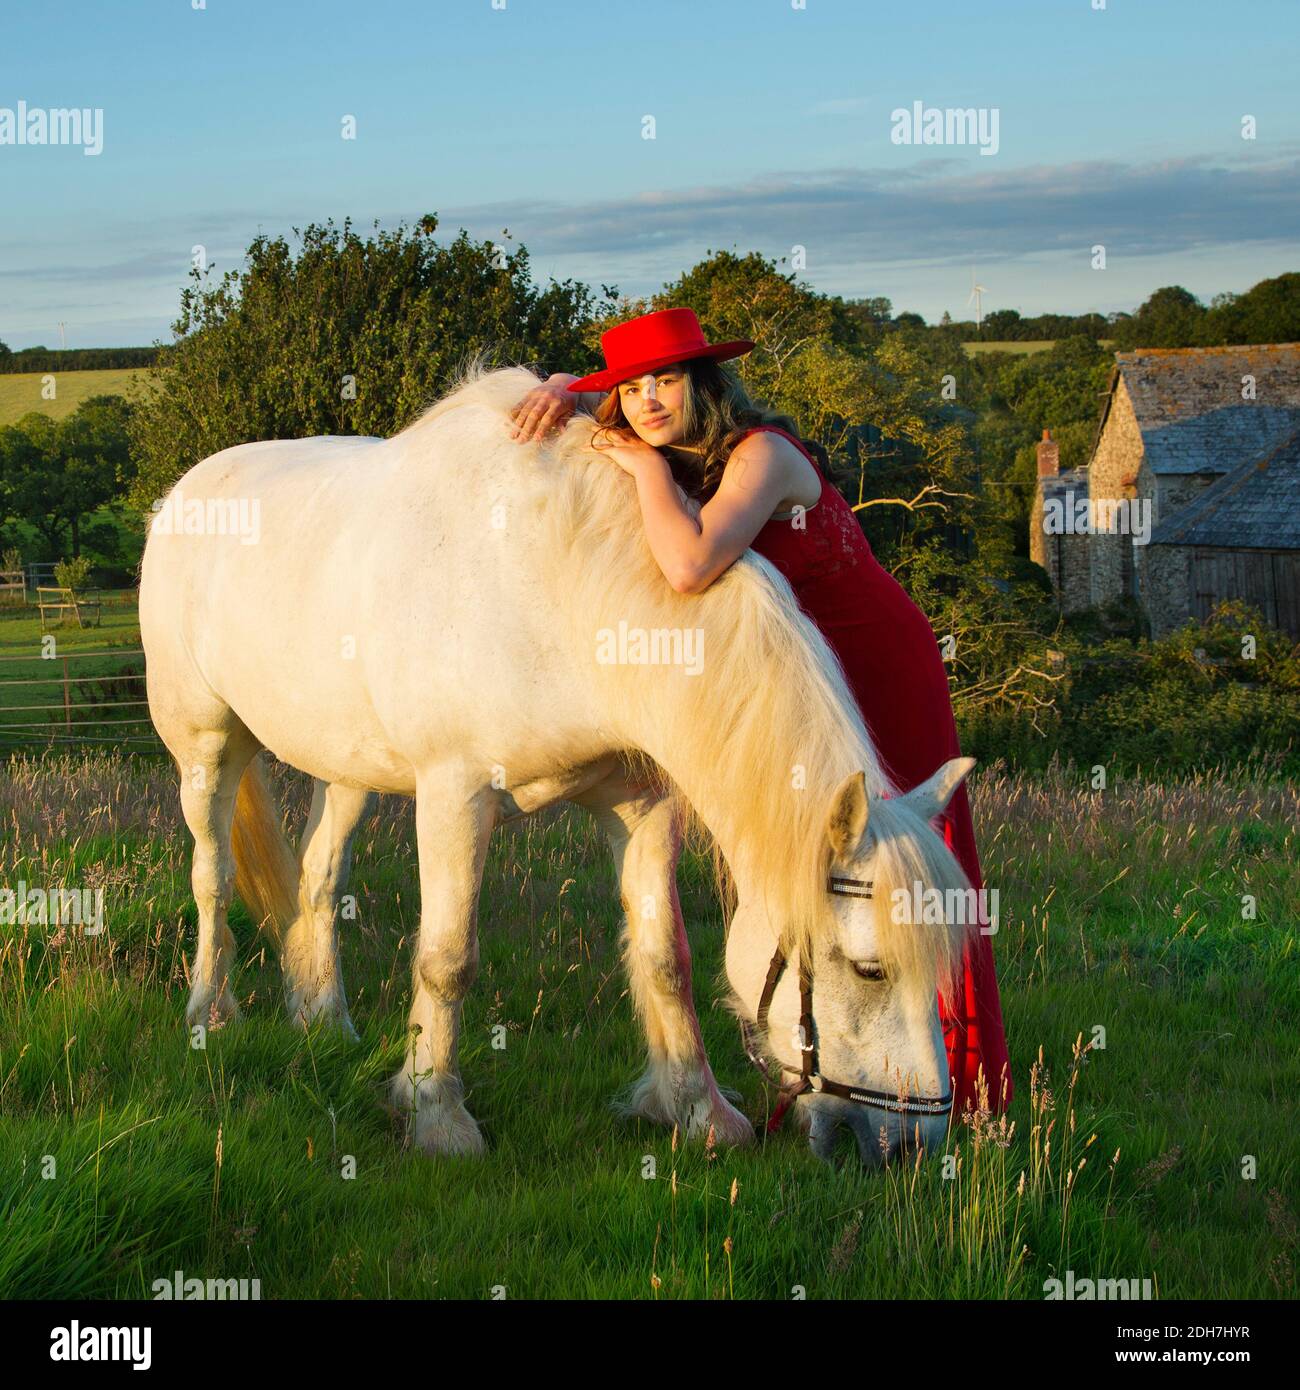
<point x="716" y="411"/>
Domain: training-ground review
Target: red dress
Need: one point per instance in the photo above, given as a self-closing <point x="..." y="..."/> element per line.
<point x="891" y="657"/>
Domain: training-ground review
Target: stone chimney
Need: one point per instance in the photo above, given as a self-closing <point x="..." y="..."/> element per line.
<point x="1049" y="456"/>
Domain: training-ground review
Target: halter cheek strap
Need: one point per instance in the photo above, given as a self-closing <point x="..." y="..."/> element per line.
<point x="810" y="1077"/>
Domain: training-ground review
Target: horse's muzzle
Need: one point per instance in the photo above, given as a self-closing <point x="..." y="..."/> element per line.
<point x="835" y="1127"/>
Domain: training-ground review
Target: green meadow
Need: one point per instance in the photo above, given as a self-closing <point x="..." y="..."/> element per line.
<point x="1163" y="1147"/>
<point x="86" y="695"/>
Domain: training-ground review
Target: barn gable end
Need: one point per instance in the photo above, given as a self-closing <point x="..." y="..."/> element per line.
<point x="1173" y="423"/>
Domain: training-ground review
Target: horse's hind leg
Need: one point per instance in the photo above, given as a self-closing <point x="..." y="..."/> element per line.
<point x="211" y="763"/>
<point x="313" y="981"/>
<point x="453" y="824"/>
<point x="678" y="1087"/>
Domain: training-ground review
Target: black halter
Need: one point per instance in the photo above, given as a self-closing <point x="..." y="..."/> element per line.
<point x="810" y="1078"/>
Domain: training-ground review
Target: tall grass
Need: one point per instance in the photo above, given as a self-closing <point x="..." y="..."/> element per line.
<point x="1152" y="1029"/>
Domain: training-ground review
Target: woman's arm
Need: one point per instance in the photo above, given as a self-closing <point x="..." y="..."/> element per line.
<point x="693" y="550"/>
<point x="586" y="400"/>
<point x="549" y="406"/>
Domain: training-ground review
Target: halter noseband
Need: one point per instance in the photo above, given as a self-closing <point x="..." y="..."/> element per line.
<point x="810" y="1078"/>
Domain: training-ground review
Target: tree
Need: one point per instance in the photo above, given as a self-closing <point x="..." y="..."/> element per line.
<point x="1049" y="389"/>
<point x="54" y="474"/>
<point x="1269" y="312"/>
<point x="872" y="399"/>
<point x="28" y="464"/>
<point x="1060" y="390"/>
<point x="1003" y="325"/>
<point x="343" y="335"/>
<point x="95" y="452"/>
<point x="996" y="633"/>
<point x="1173" y="317"/>
<point x="869" y="318"/>
<point x="901" y="455"/>
<point x="748" y="297"/>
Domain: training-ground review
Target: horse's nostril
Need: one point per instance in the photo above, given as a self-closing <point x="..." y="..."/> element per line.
<point x="831" y="1137"/>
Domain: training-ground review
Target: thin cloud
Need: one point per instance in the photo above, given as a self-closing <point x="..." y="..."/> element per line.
<point x="930" y="209"/>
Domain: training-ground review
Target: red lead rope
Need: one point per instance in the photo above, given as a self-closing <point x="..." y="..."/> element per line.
<point x="778" y="1114"/>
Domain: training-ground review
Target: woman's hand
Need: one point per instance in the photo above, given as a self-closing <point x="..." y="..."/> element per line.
<point x="545" y="408"/>
<point x="625" y="448"/>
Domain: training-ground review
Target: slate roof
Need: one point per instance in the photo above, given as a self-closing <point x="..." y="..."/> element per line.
<point x="1189" y="407"/>
<point x="1219" y="440"/>
<point x="1072" y="480"/>
<point x="1254" y="507"/>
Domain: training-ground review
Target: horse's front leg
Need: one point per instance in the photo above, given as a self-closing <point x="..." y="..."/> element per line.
<point x="453" y="825"/>
<point x="678" y="1087"/>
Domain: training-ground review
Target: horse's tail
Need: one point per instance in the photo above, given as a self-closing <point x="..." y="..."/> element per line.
<point x="267" y="870"/>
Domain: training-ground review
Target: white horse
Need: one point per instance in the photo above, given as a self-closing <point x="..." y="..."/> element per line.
<point x="451" y="615"/>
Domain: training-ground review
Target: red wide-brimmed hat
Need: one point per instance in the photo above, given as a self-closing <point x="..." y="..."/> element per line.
<point x="651" y="341"/>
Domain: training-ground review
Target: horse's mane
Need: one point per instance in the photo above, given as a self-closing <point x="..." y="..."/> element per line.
<point x="764" y="737"/>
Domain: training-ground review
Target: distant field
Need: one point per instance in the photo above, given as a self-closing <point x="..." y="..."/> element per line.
<point x="20" y="392"/>
<point x="973" y="349"/>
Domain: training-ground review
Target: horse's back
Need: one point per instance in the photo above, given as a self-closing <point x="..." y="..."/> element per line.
<point x="363" y="610"/>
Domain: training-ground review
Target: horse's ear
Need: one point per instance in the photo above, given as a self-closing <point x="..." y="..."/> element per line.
<point x="848" y="818"/>
<point x="934" y="794"/>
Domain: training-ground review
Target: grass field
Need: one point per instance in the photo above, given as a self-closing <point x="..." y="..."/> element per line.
<point x="20" y="392"/>
<point x="974" y="349"/>
<point x="125" y="1154"/>
<point x="101" y="690"/>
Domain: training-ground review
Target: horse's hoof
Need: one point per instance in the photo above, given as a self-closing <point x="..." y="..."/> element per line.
<point x="730" y="1127"/>
<point x="329" y="1012"/>
<point x="450" y="1133"/>
<point x="439" y="1122"/>
<point x="212" y="1011"/>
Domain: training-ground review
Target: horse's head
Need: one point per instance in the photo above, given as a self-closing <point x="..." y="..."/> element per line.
<point x="856" y="1025"/>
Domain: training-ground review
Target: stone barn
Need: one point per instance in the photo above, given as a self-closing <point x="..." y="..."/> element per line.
<point x="1173" y="423"/>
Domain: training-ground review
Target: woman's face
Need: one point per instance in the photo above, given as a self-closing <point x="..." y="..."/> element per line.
<point x="653" y="404"/>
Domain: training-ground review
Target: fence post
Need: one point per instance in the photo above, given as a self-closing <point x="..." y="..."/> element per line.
<point x="67" y="699"/>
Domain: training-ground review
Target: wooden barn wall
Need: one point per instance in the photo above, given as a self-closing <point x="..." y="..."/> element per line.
<point x="1267" y="579"/>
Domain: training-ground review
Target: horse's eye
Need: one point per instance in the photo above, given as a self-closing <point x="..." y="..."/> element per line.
<point x="869" y="970"/>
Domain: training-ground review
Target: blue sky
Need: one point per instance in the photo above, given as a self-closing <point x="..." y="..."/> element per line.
<point x="1119" y="126"/>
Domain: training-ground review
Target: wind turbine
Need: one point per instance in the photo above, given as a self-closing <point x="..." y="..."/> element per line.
<point x="976" y="290"/>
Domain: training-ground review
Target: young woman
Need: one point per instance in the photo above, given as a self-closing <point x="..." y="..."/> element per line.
<point x="716" y="474"/>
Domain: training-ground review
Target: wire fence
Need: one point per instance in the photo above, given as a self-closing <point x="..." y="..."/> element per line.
<point x="76" y="705"/>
